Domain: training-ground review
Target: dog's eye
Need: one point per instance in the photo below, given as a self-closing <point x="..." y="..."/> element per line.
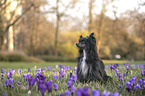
<point x="83" y="42"/>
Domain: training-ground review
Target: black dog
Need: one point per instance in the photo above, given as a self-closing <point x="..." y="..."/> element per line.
<point x="90" y="67"/>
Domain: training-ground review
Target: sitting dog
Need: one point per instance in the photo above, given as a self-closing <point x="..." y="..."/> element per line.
<point x="90" y="67"/>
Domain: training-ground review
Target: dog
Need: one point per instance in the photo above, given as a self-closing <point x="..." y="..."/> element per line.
<point x="90" y="67"/>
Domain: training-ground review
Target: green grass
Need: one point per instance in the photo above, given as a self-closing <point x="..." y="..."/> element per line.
<point x="26" y="65"/>
<point x="109" y="86"/>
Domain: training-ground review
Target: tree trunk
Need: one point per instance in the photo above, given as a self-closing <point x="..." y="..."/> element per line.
<point x="90" y="16"/>
<point x="57" y="28"/>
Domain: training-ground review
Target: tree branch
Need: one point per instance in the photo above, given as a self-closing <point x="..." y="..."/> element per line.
<point x="7" y="28"/>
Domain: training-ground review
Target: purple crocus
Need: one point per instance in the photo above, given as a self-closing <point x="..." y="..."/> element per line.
<point x="144" y="84"/>
<point x="128" y="86"/>
<point x="131" y="67"/>
<point x="70" y="75"/>
<point x="140" y="82"/>
<point x="10" y="82"/>
<point x="120" y="87"/>
<point x="79" y="92"/>
<point x="4" y="94"/>
<point x="142" y="72"/>
<point x="60" y="65"/>
<point x="7" y="83"/>
<point x="55" y="86"/>
<point x="2" y="70"/>
<point x="8" y="74"/>
<point x="119" y="75"/>
<point x="47" y="67"/>
<point x="74" y="78"/>
<point x="50" y="67"/>
<point x="69" y="84"/>
<point x="72" y="89"/>
<point x="86" y="91"/>
<point x="115" y="94"/>
<point x="122" y="80"/>
<point x="67" y="93"/>
<point x="32" y="81"/>
<point x="49" y="85"/>
<point x="19" y="70"/>
<point x="55" y="77"/>
<point x="29" y="70"/>
<point x="42" y="88"/>
<point x="96" y="93"/>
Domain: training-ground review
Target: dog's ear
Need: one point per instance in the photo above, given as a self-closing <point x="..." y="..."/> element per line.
<point x="91" y="35"/>
<point x="81" y="36"/>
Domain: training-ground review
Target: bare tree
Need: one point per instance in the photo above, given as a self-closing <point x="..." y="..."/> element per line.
<point x="14" y="18"/>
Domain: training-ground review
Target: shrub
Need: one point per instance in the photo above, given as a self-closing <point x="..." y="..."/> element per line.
<point x="57" y="59"/>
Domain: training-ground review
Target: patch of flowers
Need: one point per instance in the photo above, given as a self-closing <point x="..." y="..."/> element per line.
<point x="62" y="81"/>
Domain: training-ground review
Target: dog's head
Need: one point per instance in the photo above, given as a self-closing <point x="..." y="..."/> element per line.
<point x="86" y="42"/>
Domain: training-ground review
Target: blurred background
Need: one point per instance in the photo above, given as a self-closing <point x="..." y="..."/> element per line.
<point x="35" y="30"/>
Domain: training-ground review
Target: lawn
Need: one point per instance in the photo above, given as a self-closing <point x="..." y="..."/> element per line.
<point x="26" y="65"/>
<point x="129" y="71"/>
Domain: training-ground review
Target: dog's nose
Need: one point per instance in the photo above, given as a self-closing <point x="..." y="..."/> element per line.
<point x="77" y="44"/>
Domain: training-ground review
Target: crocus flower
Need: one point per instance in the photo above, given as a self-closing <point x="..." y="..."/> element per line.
<point x="42" y="88"/>
<point x="38" y="70"/>
<point x="4" y="95"/>
<point x="55" y="77"/>
<point x="10" y="82"/>
<point x="29" y="70"/>
<point x="8" y="74"/>
<point x="7" y="83"/>
<point x="79" y="92"/>
<point x="44" y="69"/>
<point x="50" y="67"/>
<point x="131" y="66"/>
<point x="19" y="70"/>
<point x="144" y="84"/>
<point x="122" y="80"/>
<point x="72" y="89"/>
<point x="138" y="86"/>
<point x="56" y="66"/>
<point x="49" y="85"/>
<point x="140" y="82"/>
<point x="66" y="93"/>
<point x="55" y="86"/>
<point x="47" y="67"/>
<point x="70" y="75"/>
<point x="31" y="81"/>
<point x="106" y="93"/>
<point x="2" y="70"/>
<point x="142" y="72"/>
<point x="96" y="93"/>
<point x="24" y="76"/>
<point x="69" y="84"/>
<point x="120" y="86"/>
<point x="119" y="76"/>
<point x="74" y="78"/>
<point x="128" y="87"/>
<point x="86" y="91"/>
<point x="60" y="65"/>
<point x="67" y="67"/>
<point x="115" y="94"/>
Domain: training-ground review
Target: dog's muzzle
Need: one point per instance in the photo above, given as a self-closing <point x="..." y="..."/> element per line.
<point x="79" y="45"/>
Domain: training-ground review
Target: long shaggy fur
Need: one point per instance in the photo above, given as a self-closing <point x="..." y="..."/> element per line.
<point x="90" y="67"/>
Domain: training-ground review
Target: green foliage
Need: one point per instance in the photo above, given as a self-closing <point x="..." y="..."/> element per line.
<point x="12" y="57"/>
<point x="18" y="58"/>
